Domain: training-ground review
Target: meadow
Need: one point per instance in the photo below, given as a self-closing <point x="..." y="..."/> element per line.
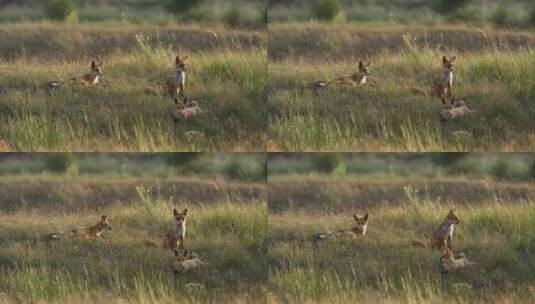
<point x="128" y="110"/>
<point x="393" y="263"/>
<point x="227" y="228"/>
<point x="396" y="110"/>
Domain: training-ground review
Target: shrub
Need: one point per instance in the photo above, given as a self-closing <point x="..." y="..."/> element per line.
<point x="449" y="7"/>
<point x="235" y="16"/>
<point x="327" y="162"/>
<point x="181" y="7"/>
<point x="60" y="10"/>
<point x="180" y="160"/>
<point x="327" y="10"/>
<point x="64" y="163"/>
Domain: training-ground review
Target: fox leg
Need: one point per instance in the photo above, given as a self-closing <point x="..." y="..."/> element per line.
<point x="181" y="90"/>
<point x="448" y="242"/>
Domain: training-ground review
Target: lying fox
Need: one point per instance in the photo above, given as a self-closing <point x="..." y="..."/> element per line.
<point x="92" y="232"/>
<point x="358" y="78"/>
<point x="443" y="85"/>
<point x="357" y="231"/>
<point x="176" y="83"/>
<point x="186" y="108"/>
<point x="89" y="79"/>
<point x="176" y="235"/>
<point x="187" y="261"/>
<point x="449" y="263"/>
<point x="442" y="236"/>
<point x="453" y="108"/>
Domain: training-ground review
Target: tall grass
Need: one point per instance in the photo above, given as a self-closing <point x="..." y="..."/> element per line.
<point x="128" y="110"/>
<point x="128" y="263"/>
<point x="387" y="114"/>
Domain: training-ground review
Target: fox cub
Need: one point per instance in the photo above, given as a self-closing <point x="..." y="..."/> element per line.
<point x="186" y="108"/>
<point x="449" y="263"/>
<point x="92" y="232"/>
<point x="187" y="261"/>
<point x="354" y="232"/>
<point x="176" y="235"/>
<point x="453" y="108"/>
<point x="176" y="83"/>
<point x="443" y="85"/>
<point x="442" y="236"/>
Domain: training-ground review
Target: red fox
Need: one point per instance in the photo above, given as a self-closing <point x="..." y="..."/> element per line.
<point x="187" y="261"/>
<point x="453" y="108"/>
<point x="186" y="108"/>
<point x="449" y="263"/>
<point x="358" y="78"/>
<point x="443" y="85"/>
<point x="176" y="83"/>
<point x="85" y="232"/>
<point x="357" y="231"/>
<point x="176" y="235"/>
<point x="442" y="236"/>
<point x="89" y="79"/>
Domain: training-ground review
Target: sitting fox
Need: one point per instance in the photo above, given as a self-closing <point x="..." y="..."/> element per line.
<point x="443" y="85"/>
<point x="92" y="232"/>
<point x="176" y="235"/>
<point x="176" y="83"/>
<point x="354" y="232"/>
<point x="442" y="236"/>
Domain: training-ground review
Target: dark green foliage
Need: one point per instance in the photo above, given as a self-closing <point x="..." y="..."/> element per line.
<point x="64" y="163"/>
<point x="449" y="7"/>
<point x="181" y="7"/>
<point x="59" y="10"/>
<point x="180" y="160"/>
<point x="327" y="162"/>
<point x="327" y="10"/>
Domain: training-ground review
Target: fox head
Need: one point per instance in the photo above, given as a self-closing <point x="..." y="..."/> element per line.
<point x="447" y="105"/>
<point x="104" y="221"/>
<point x="362" y="222"/>
<point x="452" y="217"/>
<point x="364" y="68"/>
<point x="180" y="103"/>
<point x="180" y="218"/>
<point x="181" y="63"/>
<point x="447" y="254"/>
<point x="97" y="67"/>
<point x="448" y="63"/>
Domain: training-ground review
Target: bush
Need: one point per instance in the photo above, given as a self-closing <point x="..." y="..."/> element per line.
<point x="327" y="10"/>
<point x="181" y="7"/>
<point x="327" y="162"/>
<point x="60" y="10"/>
<point x="235" y="16"/>
<point x="449" y="7"/>
<point x="180" y="160"/>
<point x="64" y="163"/>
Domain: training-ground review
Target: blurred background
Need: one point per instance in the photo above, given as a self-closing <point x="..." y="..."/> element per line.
<point x="516" y="13"/>
<point x="238" y="166"/>
<point x="507" y="166"/>
<point x="235" y="13"/>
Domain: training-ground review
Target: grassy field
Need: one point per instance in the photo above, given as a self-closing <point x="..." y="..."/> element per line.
<point x="492" y="75"/>
<point x="228" y="231"/>
<point x="127" y="111"/>
<point x="392" y="263"/>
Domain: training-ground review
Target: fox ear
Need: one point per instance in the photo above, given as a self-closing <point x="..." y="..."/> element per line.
<point x="177" y="60"/>
<point x="370" y="64"/>
<point x="453" y="59"/>
<point x="355" y="217"/>
<point x="93" y="64"/>
<point x="360" y="64"/>
<point x="177" y="253"/>
<point x="176" y="102"/>
<point x="366" y="216"/>
<point x="185" y="212"/>
<point x="175" y="212"/>
<point x="101" y="64"/>
<point x="104" y="217"/>
<point x="444" y="59"/>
